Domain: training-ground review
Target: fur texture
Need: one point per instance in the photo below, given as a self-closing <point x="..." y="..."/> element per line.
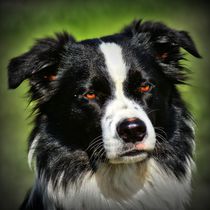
<point x="83" y="92"/>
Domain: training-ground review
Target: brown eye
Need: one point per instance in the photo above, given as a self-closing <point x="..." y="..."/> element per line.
<point x="90" y="95"/>
<point x="145" y="88"/>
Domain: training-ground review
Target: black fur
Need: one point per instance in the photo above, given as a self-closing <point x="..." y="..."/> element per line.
<point x="66" y="122"/>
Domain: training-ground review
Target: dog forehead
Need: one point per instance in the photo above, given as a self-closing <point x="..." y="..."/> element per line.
<point x="125" y="62"/>
<point x="101" y="58"/>
<point x="82" y="59"/>
<point x="114" y="61"/>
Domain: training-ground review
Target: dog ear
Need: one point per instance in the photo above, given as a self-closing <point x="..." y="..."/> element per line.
<point x="40" y="63"/>
<point x="165" y="41"/>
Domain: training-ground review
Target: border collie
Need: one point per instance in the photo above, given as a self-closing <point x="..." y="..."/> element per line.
<point x="111" y="129"/>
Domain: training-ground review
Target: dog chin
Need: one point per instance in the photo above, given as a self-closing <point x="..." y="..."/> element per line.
<point x="129" y="159"/>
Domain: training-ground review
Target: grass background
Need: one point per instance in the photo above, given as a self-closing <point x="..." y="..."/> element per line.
<point x="22" y="21"/>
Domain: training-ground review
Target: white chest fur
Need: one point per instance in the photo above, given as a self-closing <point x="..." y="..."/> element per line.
<point x="128" y="187"/>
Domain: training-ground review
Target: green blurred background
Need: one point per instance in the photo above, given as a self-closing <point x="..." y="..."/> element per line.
<point x="24" y="20"/>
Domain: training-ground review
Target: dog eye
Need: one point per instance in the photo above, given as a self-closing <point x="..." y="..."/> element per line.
<point x="90" y="95"/>
<point x="144" y="88"/>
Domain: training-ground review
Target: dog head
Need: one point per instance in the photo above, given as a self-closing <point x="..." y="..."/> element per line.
<point x="107" y="96"/>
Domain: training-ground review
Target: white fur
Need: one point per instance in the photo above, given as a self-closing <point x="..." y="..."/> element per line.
<point x="124" y="186"/>
<point x="32" y="150"/>
<point x="191" y="125"/>
<point x="121" y="108"/>
<point x="114" y="62"/>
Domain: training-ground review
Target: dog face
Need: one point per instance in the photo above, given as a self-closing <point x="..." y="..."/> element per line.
<point x="108" y="96"/>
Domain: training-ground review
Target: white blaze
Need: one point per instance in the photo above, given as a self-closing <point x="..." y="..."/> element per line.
<point x="120" y="107"/>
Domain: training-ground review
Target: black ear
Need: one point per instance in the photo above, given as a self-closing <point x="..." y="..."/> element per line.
<point x="165" y="41"/>
<point x="185" y="41"/>
<point x="42" y="59"/>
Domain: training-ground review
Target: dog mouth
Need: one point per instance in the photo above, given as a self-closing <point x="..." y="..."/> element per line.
<point x="131" y="156"/>
<point x="131" y="153"/>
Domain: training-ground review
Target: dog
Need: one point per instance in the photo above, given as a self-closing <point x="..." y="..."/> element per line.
<point x="111" y="128"/>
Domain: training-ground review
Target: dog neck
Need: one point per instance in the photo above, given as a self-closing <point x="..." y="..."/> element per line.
<point x="124" y="186"/>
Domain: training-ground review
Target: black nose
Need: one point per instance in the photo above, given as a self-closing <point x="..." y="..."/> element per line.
<point x="131" y="130"/>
